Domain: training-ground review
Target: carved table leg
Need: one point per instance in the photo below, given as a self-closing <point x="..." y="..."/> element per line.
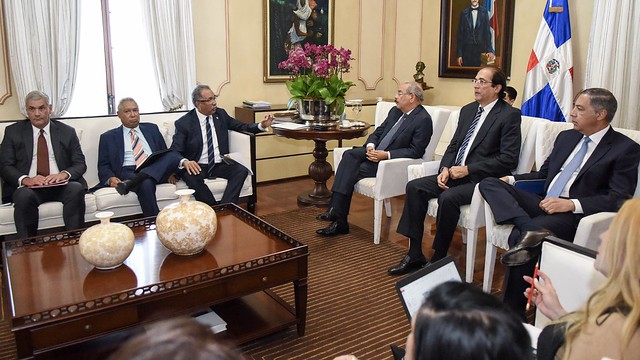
<point x="320" y="171"/>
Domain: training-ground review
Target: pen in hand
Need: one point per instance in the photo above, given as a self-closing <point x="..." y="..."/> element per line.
<point x="533" y="286"/>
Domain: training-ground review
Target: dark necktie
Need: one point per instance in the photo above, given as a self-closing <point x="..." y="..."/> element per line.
<point x="467" y="137"/>
<point x="386" y="140"/>
<point x="210" y="148"/>
<point x="563" y="178"/>
<point x="42" y="158"/>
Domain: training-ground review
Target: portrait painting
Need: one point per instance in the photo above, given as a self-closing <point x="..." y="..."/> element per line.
<point x="291" y="23"/>
<point x="473" y="34"/>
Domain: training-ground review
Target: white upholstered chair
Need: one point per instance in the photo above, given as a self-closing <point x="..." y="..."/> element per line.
<point x="589" y="228"/>
<point x="391" y="178"/>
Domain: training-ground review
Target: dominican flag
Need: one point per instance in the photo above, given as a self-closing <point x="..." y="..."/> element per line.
<point x="490" y="5"/>
<point x="548" y="89"/>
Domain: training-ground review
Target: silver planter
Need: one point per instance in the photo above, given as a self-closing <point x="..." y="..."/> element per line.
<point x="316" y="113"/>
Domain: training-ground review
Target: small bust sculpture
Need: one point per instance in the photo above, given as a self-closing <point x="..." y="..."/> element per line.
<point x="419" y="75"/>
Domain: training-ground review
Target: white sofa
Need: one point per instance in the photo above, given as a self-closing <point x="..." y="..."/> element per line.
<point x="107" y="199"/>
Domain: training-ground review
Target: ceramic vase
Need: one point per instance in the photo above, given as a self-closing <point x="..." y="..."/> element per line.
<point x="106" y="245"/>
<point x="187" y="226"/>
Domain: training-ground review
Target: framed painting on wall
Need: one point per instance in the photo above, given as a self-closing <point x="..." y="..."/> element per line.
<point x="289" y="23"/>
<point x="475" y="33"/>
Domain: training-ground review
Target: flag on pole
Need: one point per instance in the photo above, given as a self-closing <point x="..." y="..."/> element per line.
<point x="490" y="5"/>
<point x="548" y="88"/>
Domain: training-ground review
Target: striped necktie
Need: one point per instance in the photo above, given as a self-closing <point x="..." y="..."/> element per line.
<point x="563" y="177"/>
<point x="210" y="147"/>
<point x="467" y="137"/>
<point x="136" y="145"/>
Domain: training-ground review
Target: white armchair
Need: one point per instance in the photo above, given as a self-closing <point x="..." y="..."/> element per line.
<point x="391" y="178"/>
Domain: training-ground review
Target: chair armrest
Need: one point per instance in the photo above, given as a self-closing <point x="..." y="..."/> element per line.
<point x="476" y="210"/>
<point x="590" y="228"/>
<point x="424" y="169"/>
<point x="337" y="156"/>
<point x="532" y="186"/>
<point x="245" y="143"/>
<point x="391" y="179"/>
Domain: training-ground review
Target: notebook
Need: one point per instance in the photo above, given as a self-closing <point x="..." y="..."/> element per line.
<point x="413" y="289"/>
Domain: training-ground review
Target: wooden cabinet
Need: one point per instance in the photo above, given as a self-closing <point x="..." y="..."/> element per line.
<point x="282" y="158"/>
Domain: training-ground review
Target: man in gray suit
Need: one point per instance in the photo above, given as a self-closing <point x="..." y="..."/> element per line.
<point x="486" y="144"/>
<point x="41" y="160"/>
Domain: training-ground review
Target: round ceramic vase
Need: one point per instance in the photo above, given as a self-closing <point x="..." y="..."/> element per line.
<point x="187" y="226"/>
<point x="106" y="245"/>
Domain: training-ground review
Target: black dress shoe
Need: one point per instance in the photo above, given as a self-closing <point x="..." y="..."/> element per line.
<point x="408" y="265"/>
<point x="527" y="248"/>
<point x="327" y="216"/>
<point x="336" y="228"/>
<point x="123" y="187"/>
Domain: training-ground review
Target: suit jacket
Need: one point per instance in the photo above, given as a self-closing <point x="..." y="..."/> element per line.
<point x="496" y="147"/>
<point x="187" y="139"/>
<point x="411" y="139"/>
<point x="606" y="180"/>
<point x="111" y="149"/>
<point x="467" y="34"/>
<point x="17" y="153"/>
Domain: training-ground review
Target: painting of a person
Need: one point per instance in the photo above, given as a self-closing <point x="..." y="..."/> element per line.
<point x="298" y="31"/>
<point x="474" y="35"/>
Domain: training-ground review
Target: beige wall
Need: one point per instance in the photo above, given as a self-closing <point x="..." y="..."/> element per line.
<point x="236" y="65"/>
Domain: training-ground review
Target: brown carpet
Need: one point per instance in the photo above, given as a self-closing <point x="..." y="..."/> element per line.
<point x="352" y="304"/>
<point x="7" y="341"/>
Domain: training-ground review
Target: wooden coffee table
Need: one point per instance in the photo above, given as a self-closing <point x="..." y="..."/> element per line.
<point x="57" y="299"/>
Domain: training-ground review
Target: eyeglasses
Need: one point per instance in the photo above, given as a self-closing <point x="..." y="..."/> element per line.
<point x="481" y="82"/>
<point x="400" y="93"/>
<point x="207" y="100"/>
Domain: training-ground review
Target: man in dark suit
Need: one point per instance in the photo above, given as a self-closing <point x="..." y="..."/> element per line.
<point x="41" y="160"/>
<point x="202" y="138"/>
<point x="118" y="158"/>
<point x="592" y="168"/>
<point x="474" y="37"/>
<point x="405" y="133"/>
<point x="486" y="143"/>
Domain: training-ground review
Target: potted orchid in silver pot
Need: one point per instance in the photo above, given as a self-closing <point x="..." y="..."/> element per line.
<point x="316" y="84"/>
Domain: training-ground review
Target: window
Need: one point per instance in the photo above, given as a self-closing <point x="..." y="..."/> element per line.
<point x="97" y="90"/>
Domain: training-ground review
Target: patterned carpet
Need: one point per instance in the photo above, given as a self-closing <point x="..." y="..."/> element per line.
<point x="352" y="304"/>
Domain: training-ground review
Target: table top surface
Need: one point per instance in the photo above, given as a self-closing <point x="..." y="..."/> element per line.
<point x="47" y="277"/>
<point x="336" y="133"/>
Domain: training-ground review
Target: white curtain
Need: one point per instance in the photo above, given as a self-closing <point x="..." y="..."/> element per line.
<point x="43" y="39"/>
<point x="613" y="56"/>
<point x="170" y="30"/>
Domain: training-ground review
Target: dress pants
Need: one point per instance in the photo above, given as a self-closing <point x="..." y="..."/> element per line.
<point x="419" y="192"/>
<point x="157" y="172"/>
<point x="26" y="202"/>
<point x="353" y="167"/>
<point x="233" y="172"/>
<point x="508" y="202"/>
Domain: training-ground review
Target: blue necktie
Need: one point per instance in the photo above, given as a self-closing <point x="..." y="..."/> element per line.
<point x="210" y="149"/>
<point x="386" y="140"/>
<point x="563" y="178"/>
<point x="467" y="137"/>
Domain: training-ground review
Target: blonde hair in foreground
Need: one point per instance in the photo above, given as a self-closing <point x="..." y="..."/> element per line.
<point x="622" y="288"/>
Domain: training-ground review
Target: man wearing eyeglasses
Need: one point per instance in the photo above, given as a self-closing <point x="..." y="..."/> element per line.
<point x="486" y="143"/>
<point x="202" y="137"/>
<point x="405" y="133"/>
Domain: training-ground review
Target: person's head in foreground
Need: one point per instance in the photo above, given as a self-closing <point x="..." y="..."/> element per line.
<point x="460" y="321"/>
<point x="176" y="339"/>
<point x="617" y="259"/>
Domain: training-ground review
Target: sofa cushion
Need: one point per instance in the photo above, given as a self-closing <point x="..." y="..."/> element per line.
<point x="108" y="199"/>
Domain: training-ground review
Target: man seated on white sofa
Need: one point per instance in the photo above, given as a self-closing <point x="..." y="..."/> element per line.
<point x="124" y="158"/>
<point x="41" y="160"/>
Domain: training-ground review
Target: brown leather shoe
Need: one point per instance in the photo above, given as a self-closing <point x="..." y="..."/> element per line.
<point x="527" y="248"/>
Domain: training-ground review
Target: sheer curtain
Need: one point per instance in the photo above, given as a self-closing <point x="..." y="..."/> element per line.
<point x="43" y="39"/>
<point x="613" y="54"/>
<point x="170" y="29"/>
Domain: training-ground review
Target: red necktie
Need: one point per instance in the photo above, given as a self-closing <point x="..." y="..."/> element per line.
<point x="42" y="158"/>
